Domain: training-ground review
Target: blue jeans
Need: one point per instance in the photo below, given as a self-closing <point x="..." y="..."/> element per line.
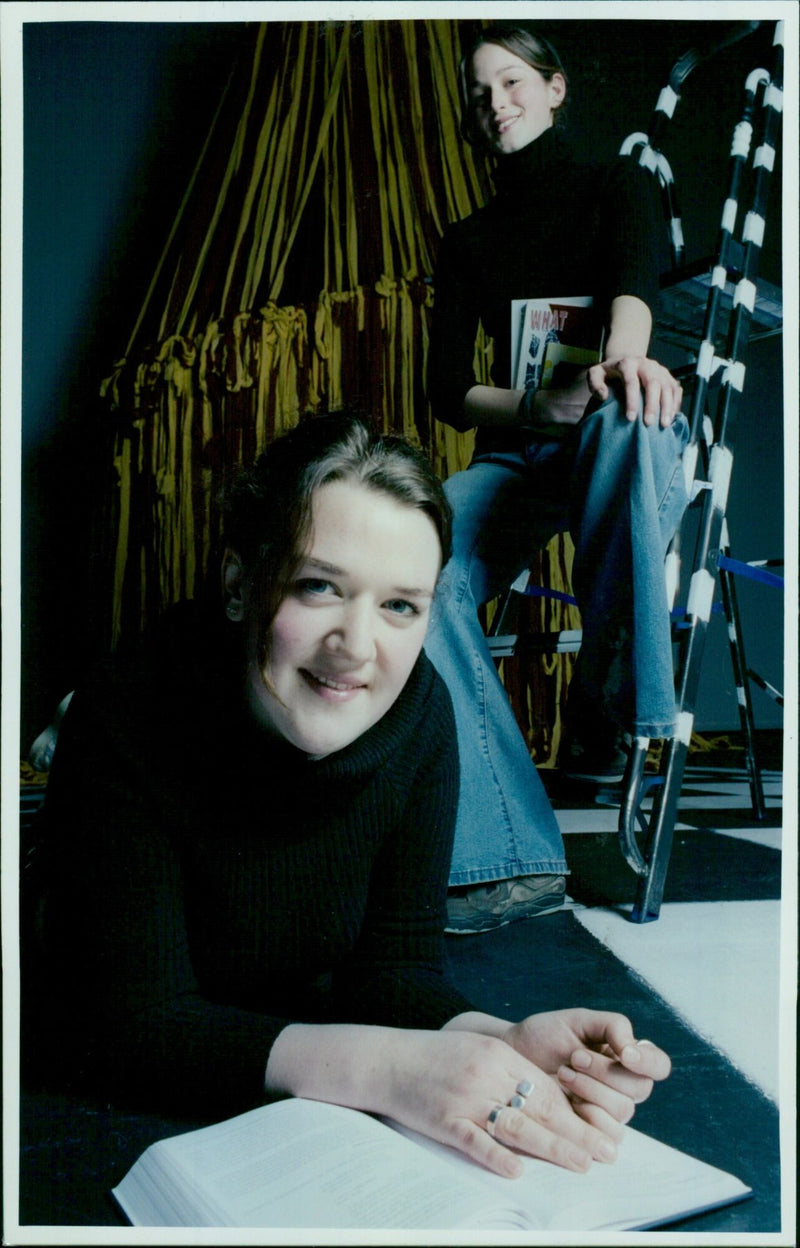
<point x="618" y="487"/>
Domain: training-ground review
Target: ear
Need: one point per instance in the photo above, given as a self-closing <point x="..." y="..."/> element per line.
<point x="558" y="90"/>
<point x="233" y="585"/>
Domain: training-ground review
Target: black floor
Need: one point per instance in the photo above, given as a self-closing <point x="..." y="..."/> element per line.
<point x="72" y="1153"/>
<point x="706" y="1107"/>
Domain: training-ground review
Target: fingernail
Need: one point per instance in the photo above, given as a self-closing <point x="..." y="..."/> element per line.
<point x="579" y="1159"/>
<point x="606" y="1151"/>
<point x="567" y="1074"/>
<point x="581" y="1059"/>
<point x="631" y="1055"/>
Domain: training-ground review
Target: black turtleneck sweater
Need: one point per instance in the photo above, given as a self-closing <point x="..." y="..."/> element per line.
<point x="556" y="227"/>
<point x="209" y="884"/>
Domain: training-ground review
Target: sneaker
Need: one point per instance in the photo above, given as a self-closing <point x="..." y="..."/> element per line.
<point x="599" y="761"/>
<point x="482" y="907"/>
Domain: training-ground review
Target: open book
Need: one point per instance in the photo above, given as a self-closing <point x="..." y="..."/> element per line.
<point x="551" y="340"/>
<point x="301" y="1163"/>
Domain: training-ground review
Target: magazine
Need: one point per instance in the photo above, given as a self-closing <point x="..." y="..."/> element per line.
<point x="551" y="340"/>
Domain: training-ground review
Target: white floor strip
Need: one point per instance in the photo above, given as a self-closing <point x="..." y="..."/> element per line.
<point x="605" y="819"/>
<point x="717" y="964"/>
<point x="698" y="794"/>
<point x="693" y="800"/>
<point x="592" y="819"/>
<point x="770" y="837"/>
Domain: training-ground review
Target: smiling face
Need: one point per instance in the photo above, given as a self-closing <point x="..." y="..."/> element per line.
<point x="511" y="102"/>
<point x="348" y="633"/>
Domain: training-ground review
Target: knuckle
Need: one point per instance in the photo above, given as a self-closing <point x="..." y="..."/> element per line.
<point x="472" y="1069"/>
<point x="562" y="1153"/>
<point x="490" y="1046"/>
<point x="465" y="1135"/>
<point x="547" y="1105"/>
<point x="514" y="1124"/>
<point x="477" y="1058"/>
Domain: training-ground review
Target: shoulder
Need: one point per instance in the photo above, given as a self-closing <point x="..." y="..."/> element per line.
<point x="597" y="175"/>
<point x="623" y="178"/>
<point x="142" y="690"/>
<point x="469" y="231"/>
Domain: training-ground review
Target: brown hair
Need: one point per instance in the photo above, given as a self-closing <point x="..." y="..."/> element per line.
<point x="519" y="39"/>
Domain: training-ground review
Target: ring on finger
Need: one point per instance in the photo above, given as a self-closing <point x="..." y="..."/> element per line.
<point x="492" y="1119"/>
<point x="524" y="1089"/>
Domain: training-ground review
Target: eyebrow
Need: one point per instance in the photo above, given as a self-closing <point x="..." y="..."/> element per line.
<point x="320" y="565"/>
<point x="503" y="70"/>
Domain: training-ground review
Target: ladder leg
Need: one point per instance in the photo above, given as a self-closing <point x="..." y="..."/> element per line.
<point x="661" y="828"/>
<point x="745" y="702"/>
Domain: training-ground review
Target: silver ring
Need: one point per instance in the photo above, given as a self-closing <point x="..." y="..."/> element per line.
<point x="492" y="1119"/>
<point x="524" y="1089"/>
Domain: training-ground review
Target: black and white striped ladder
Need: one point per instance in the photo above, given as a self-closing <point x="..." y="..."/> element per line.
<point x="651" y="863"/>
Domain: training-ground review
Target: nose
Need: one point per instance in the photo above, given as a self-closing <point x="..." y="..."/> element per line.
<point x="353" y="637"/>
<point x="498" y="97"/>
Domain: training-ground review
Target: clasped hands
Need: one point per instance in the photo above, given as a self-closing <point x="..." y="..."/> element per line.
<point x="588" y="1074"/>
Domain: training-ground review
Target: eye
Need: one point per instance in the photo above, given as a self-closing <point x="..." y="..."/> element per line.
<point x="313" y="587"/>
<point x="401" y="607"/>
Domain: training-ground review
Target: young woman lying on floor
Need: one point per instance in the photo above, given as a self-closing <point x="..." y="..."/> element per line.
<point x="259" y="913"/>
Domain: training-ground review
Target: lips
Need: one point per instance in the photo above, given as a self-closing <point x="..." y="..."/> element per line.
<point x="338" y="689"/>
<point x="505" y="124"/>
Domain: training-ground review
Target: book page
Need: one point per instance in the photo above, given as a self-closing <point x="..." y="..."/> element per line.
<point x="306" y="1164"/>
<point x="649" y="1183"/>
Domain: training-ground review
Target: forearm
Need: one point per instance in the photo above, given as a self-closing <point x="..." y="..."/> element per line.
<point x="630" y="325"/>
<point x="495" y="407"/>
<point x="482" y="1024"/>
<point x="343" y="1063"/>
<point x="492" y="406"/>
<point x="629" y="329"/>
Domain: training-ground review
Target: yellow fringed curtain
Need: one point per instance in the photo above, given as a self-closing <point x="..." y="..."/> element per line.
<point x="297" y="278"/>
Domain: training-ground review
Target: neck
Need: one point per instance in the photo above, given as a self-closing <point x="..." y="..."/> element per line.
<point x="514" y="169"/>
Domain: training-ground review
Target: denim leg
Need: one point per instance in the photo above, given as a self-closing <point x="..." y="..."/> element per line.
<point x="627" y="499"/>
<point x="506" y="826"/>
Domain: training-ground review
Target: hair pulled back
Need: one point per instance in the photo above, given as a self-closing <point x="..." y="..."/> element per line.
<point x="519" y="38"/>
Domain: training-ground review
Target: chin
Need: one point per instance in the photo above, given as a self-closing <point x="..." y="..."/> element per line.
<point x="321" y="745"/>
<point x="517" y="142"/>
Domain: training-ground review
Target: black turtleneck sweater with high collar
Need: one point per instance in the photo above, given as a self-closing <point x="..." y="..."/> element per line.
<point x="557" y="226"/>
<point x="205" y="884"/>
